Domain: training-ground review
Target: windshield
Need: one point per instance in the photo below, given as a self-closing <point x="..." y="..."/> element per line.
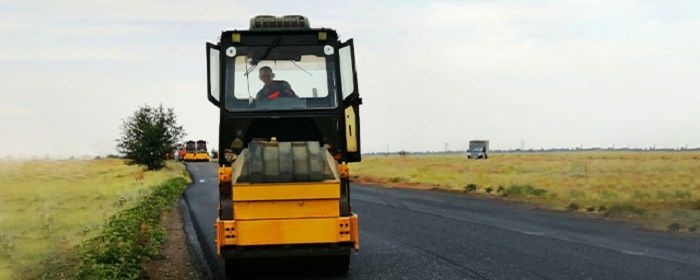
<point x="287" y="78"/>
<point x="202" y="146"/>
<point x="189" y="146"/>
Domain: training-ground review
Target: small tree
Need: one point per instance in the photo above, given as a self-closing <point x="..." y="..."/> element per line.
<point x="148" y="135"/>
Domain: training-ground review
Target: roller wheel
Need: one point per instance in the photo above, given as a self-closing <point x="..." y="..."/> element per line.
<point x="339" y="264"/>
<point x="237" y="268"/>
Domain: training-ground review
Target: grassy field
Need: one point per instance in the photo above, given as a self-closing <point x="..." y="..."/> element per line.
<point x="48" y="207"/>
<point x="656" y="189"/>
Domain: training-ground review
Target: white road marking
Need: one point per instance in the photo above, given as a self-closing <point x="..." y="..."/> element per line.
<point x="634" y="253"/>
<point x="533" y="232"/>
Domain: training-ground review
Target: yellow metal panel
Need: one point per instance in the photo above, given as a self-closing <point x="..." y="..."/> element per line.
<point x="344" y="170"/>
<point x="344" y="230"/>
<point x="286" y="209"/>
<point x="189" y="156"/>
<point x="287" y="231"/>
<point x="291" y="191"/>
<point x="224" y="174"/>
<point x="350" y="129"/>
<point x="226" y="233"/>
<point x="354" y="237"/>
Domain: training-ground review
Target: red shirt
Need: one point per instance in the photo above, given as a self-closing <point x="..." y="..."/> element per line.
<point x="277" y="89"/>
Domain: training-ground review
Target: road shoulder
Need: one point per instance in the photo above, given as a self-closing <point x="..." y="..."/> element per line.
<point x="177" y="260"/>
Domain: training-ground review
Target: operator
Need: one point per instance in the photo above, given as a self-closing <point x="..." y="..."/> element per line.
<point x="181" y="153"/>
<point x="273" y="89"/>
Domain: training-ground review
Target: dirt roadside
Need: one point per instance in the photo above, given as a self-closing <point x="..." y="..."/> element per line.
<point x="385" y="183"/>
<point x="178" y="261"/>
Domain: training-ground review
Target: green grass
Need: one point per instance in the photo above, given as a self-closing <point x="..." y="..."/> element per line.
<point x="130" y="238"/>
<point x="47" y="208"/>
<point x="651" y="188"/>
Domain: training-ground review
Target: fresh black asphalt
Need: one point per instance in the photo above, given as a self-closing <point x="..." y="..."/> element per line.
<point x="415" y="234"/>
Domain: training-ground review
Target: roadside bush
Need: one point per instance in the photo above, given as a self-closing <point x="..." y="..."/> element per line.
<point x="398" y="180"/>
<point x="501" y="189"/>
<point x="641" y="195"/>
<point x="576" y="194"/>
<point x="609" y="195"/>
<point x="572" y="207"/>
<point x="539" y="192"/>
<point x="682" y="194"/>
<point x="590" y="209"/>
<point x="488" y="190"/>
<point x="674" y="227"/>
<point x="130" y="237"/>
<point x="693" y="228"/>
<point x="626" y="208"/>
<point x="663" y="195"/>
<point x="471" y="187"/>
<point x="7" y="247"/>
<point x="524" y="190"/>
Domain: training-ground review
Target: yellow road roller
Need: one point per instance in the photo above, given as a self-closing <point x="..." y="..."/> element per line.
<point x="202" y="154"/>
<point x="289" y="125"/>
<point x="190" y="151"/>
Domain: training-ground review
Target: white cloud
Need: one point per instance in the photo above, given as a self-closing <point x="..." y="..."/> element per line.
<point x="109" y="30"/>
<point x="130" y="52"/>
<point x="160" y="10"/>
<point x="13" y="111"/>
<point x="552" y="73"/>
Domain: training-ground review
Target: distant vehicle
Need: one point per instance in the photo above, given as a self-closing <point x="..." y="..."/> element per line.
<point x="478" y="149"/>
<point x="190" y="151"/>
<point x="202" y="154"/>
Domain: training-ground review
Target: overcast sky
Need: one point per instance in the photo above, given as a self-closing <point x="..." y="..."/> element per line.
<point x="551" y="73"/>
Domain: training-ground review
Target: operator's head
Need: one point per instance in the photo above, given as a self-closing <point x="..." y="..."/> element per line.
<point x="266" y="75"/>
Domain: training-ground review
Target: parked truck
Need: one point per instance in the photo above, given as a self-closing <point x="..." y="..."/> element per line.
<point x="478" y="149"/>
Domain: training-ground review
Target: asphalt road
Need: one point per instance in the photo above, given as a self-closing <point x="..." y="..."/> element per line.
<point x="414" y="234"/>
